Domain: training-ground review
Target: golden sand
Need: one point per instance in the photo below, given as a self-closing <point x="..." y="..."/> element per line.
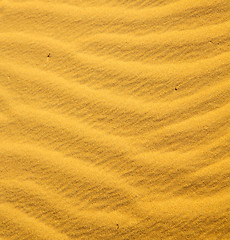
<point x="114" y="119"/>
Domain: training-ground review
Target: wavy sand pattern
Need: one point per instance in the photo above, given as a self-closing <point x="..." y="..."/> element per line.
<point x="114" y="119"/>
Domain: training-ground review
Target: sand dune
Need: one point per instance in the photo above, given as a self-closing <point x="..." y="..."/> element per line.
<point x="114" y="119"/>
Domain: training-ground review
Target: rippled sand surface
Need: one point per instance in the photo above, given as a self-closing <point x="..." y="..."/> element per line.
<point x="114" y="119"/>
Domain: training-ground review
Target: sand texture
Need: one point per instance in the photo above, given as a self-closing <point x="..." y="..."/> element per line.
<point x="114" y="119"/>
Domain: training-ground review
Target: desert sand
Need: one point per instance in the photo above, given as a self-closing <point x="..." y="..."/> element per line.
<point x="114" y="119"/>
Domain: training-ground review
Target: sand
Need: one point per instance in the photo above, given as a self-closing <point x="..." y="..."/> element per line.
<point x="114" y="119"/>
